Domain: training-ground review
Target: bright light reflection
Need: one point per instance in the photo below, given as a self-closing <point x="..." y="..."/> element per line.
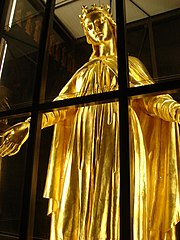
<point x="4" y="49"/>
<point x="12" y="13"/>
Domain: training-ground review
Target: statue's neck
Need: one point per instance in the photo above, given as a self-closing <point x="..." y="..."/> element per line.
<point x="107" y="49"/>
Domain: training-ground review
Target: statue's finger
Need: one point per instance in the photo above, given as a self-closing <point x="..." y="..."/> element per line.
<point x="3" y="149"/>
<point x="6" y="150"/>
<point x="5" y="143"/>
<point x="14" y="150"/>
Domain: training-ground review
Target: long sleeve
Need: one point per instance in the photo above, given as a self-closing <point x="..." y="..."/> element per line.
<point x="163" y="106"/>
<point x="51" y="118"/>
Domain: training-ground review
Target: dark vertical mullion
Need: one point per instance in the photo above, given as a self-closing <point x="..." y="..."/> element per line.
<point x="125" y="223"/>
<point x="31" y="171"/>
<point x="152" y="49"/>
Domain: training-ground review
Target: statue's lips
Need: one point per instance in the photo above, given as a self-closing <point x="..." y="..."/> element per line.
<point x="99" y="34"/>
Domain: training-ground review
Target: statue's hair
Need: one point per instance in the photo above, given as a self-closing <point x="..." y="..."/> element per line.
<point x="104" y="10"/>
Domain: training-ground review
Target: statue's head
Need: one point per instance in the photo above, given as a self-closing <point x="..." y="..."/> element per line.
<point x="98" y="24"/>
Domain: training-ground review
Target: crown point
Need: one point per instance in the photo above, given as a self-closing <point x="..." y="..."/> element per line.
<point x="104" y="10"/>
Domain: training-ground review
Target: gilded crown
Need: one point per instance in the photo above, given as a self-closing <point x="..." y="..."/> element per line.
<point x="105" y="10"/>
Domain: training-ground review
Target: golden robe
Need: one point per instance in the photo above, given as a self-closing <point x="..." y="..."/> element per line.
<point x="83" y="178"/>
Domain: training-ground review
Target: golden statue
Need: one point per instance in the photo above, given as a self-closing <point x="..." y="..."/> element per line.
<point x="84" y="172"/>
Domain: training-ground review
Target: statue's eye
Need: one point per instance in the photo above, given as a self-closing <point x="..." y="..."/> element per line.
<point x="99" y="21"/>
<point x="89" y="26"/>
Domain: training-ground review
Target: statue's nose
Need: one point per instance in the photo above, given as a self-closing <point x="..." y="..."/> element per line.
<point x="97" y="27"/>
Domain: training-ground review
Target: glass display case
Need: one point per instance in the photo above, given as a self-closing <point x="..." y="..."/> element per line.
<point x="89" y="114"/>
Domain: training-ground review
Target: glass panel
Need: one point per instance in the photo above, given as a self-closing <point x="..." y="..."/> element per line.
<point x="167" y="45"/>
<point x="138" y="44"/>
<point x="82" y="181"/>
<point x="19" y="48"/>
<point x="154" y="38"/>
<point x="12" y="174"/>
<point x="154" y="134"/>
<point x="60" y="65"/>
<point x="69" y="52"/>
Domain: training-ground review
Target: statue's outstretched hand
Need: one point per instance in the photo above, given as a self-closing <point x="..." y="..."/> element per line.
<point x="13" y="138"/>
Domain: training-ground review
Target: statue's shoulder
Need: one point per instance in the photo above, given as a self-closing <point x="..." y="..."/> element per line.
<point x="138" y="73"/>
<point x="136" y="62"/>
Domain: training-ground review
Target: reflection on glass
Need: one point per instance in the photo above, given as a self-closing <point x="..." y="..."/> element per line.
<point x="19" y="51"/>
<point x="11" y="184"/>
<point x="3" y="49"/>
<point x="61" y="64"/>
<point x="83" y="179"/>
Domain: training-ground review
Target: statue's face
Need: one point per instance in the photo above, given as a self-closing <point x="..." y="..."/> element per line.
<point x="98" y="28"/>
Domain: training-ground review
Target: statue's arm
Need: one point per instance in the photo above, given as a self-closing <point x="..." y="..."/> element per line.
<point x="15" y="136"/>
<point x="48" y="119"/>
<point x="163" y="106"/>
<point x="51" y="118"/>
